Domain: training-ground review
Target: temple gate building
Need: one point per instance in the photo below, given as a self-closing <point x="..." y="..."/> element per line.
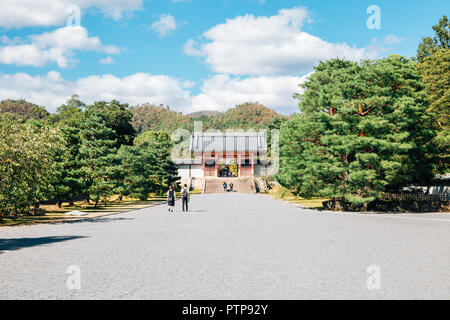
<point x="231" y="155"/>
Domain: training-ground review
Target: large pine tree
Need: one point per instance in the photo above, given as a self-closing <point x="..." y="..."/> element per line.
<point x="133" y="176"/>
<point x="363" y="131"/>
<point x="69" y="118"/>
<point x="164" y="171"/>
<point x="98" y="158"/>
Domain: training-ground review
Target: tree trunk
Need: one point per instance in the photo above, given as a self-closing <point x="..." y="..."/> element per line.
<point x="120" y="198"/>
<point x="60" y="203"/>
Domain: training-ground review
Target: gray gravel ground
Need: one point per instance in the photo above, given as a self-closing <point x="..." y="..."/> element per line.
<point x="232" y="246"/>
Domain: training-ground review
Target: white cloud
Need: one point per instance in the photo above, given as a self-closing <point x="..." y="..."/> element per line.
<point x="8" y="41"/>
<point x="222" y="91"/>
<point x="393" y="39"/>
<point x="164" y="25"/>
<point x="25" y="13"/>
<point x="107" y="60"/>
<point x="217" y="93"/>
<point x="189" y="48"/>
<point x="249" y="45"/>
<point x="385" y="45"/>
<point x="51" y="90"/>
<point x="57" y="46"/>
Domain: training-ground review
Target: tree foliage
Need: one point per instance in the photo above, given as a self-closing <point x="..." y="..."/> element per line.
<point x="434" y="66"/>
<point x="435" y="71"/>
<point x="69" y="118"/>
<point x="71" y="109"/>
<point x="98" y="158"/>
<point x="247" y="116"/>
<point x="244" y="116"/>
<point x="81" y="151"/>
<point x="164" y="170"/>
<point x="158" y="118"/>
<point x="24" y="110"/>
<point x="440" y="40"/>
<point x="135" y="170"/>
<point x="28" y="168"/>
<point x="363" y="131"/>
<point x="117" y="117"/>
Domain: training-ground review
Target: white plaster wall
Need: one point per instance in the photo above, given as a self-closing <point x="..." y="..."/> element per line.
<point x="197" y="171"/>
<point x="183" y="170"/>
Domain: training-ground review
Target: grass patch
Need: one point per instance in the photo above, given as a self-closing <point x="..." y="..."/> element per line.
<point x="282" y="193"/>
<point x="55" y="214"/>
<point x="196" y="191"/>
<point x="314" y="203"/>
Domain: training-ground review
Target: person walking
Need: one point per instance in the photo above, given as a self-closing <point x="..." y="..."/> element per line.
<point x="231" y="187"/>
<point x="225" y="186"/>
<point x="171" y="197"/>
<point x="185" y="200"/>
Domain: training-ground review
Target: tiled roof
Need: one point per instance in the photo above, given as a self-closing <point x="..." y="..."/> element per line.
<point x="187" y="161"/>
<point x="229" y="142"/>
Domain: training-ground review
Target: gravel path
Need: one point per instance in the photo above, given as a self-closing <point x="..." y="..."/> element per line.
<point x="232" y="246"/>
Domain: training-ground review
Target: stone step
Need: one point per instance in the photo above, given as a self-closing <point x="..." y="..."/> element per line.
<point x="239" y="185"/>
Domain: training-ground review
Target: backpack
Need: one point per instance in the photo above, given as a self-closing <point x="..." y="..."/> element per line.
<point x="185" y="193"/>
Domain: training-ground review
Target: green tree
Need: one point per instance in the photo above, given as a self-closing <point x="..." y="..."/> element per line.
<point x="28" y="169"/>
<point x="158" y="118"/>
<point x="247" y="116"/>
<point x="71" y="109"/>
<point x="435" y="71"/>
<point x="433" y="55"/>
<point x="244" y="116"/>
<point x="117" y="117"/>
<point x="363" y="131"/>
<point x="134" y="172"/>
<point x="164" y="171"/>
<point x="440" y="40"/>
<point x="71" y="184"/>
<point x="24" y="110"/>
<point x="98" y="159"/>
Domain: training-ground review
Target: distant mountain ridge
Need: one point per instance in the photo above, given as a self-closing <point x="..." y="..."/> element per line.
<point x="22" y="109"/>
<point x="245" y="116"/>
<point x="148" y="117"/>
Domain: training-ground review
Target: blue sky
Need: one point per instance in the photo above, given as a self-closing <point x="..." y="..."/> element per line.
<point x="193" y="55"/>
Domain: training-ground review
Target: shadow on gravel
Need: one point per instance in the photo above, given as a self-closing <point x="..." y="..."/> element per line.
<point x="20" y="243"/>
<point x="96" y="220"/>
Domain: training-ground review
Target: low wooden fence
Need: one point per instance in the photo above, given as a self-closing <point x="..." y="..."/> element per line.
<point x="414" y="197"/>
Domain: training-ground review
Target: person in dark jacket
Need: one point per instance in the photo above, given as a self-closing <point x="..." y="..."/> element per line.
<point x="225" y="186"/>
<point x="185" y="193"/>
<point x="171" y="197"/>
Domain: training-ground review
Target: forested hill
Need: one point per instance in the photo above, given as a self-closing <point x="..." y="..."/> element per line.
<point x="163" y="118"/>
<point x="158" y="118"/>
<point x="22" y="109"/>
<point x="244" y="116"/>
